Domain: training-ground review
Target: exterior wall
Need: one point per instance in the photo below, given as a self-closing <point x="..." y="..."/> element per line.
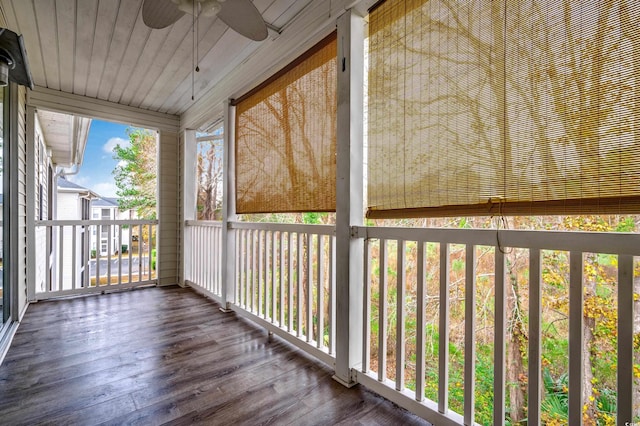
<point x="22" y="202"/>
<point x="69" y="206"/>
<point x="42" y="163"/>
<point x="168" y="238"/>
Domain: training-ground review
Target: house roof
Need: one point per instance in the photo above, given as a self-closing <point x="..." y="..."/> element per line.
<point x="105" y="202"/>
<point x="65" y="185"/>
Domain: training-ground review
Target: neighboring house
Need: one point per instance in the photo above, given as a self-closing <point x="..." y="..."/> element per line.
<point x="105" y="209"/>
<point x="72" y="203"/>
<point x="73" y="200"/>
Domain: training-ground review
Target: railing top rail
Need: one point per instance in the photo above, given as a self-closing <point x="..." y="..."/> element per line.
<point x="286" y="227"/>
<point x="212" y="223"/>
<point x="595" y="242"/>
<point x="95" y="222"/>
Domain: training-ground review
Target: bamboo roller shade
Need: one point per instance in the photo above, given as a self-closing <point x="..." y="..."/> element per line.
<point x="487" y="107"/>
<point x="286" y="138"/>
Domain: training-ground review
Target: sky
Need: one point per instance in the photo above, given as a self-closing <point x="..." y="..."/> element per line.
<point x="98" y="163"/>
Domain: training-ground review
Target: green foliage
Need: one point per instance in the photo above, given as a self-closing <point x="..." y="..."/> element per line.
<point x="628" y="224"/>
<point x="135" y="174"/>
<point x="312" y="218"/>
<point x="153" y="259"/>
<point x="555" y="405"/>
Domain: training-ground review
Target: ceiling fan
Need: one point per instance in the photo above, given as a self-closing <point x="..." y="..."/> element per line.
<point x="240" y="15"/>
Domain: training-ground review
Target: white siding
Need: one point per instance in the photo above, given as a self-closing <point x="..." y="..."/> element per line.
<point x="168" y="208"/>
<point x="22" y="201"/>
<point x="40" y="233"/>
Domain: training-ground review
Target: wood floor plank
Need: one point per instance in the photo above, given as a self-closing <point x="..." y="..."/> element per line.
<point x="168" y="356"/>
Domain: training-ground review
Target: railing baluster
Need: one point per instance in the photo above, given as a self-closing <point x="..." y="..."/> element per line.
<point x="309" y="301"/>
<point x="499" y="338"/>
<point x="382" y="313"/>
<point x="281" y="241"/>
<point x="131" y="252"/>
<point x="218" y="249"/>
<point x="400" y="313"/>
<point x="533" y="410"/>
<point x="274" y="266"/>
<point x="212" y="259"/>
<point x="74" y="254"/>
<point x="290" y="282"/>
<point x="299" y="283"/>
<point x="254" y="269"/>
<point x="625" y="339"/>
<point x="366" y="321"/>
<point x="320" y="298"/>
<point x="140" y="251"/>
<point x="332" y="294"/>
<point x="109" y="251"/>
<point x="576" y="356"/>
<point x="120" y="254"/>
<point x="469" y="334"/>
<point x="420" y="321"/>
<point x="267" y="237"/>
<point x="443" y="331"/>
<point x="60" y="285"/>
<point x="86" y="257"/>
<point x="247" y="263"/>
<point x="261" y="270"/>
<point x="200" y="258"/>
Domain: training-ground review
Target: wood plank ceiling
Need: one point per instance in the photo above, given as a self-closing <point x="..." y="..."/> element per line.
<point x="102" y="49"/>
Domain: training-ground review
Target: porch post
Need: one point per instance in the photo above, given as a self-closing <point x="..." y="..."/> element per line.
<point x="31" y="204"/>
<point x="228" y="208"/>
<point x="189" y="190"/>
<point x="349" y="197"/>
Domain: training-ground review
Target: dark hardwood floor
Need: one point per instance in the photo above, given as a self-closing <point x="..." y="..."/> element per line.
<point x="168" y="356"/>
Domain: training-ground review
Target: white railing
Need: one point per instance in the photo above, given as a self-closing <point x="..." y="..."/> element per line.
<point x="285" y="280"/>
<point x="203" y="241"/>
<point x="87" y="256"/>
<point x="416" y="281"/>
<point x="456" y="254"/>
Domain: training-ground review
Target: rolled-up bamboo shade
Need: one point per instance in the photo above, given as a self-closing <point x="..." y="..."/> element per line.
<point x="286" y="138"/>
<point x="484" y="107"/>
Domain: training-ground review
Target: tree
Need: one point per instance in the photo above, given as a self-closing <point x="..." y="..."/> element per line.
<point x="209" y="179"/>
<point x="135" y="174"/>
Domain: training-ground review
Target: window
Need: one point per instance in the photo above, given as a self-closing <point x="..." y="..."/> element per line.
<point x="209" y="174"/>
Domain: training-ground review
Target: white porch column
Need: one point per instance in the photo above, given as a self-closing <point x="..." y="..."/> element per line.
<point x="189" y="198"/>
<point x="31" y="204"/>
<point x="168" y="239"/>
<point x="228" y="208"/>
<point x="349" y="196"/>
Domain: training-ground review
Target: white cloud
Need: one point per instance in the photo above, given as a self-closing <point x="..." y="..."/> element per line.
<point x="105" y="189"/>
<point x="80" y="180"/>
<point x="111" y="144"/>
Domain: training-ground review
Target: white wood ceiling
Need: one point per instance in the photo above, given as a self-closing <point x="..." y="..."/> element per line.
<point x="102" y="49"/>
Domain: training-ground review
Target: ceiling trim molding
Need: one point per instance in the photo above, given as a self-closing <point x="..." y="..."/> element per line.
<point x="55" y="100"/>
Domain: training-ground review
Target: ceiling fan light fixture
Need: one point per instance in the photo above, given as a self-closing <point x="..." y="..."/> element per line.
<point x="211" y="8"/>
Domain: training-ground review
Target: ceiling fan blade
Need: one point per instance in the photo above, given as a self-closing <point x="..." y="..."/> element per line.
<point x="243" y="17"/>
<point x="160" y="13"/>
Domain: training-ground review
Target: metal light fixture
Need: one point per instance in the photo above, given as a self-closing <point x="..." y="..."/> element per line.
<point x="13" y="60"/>
<point x="208" y="8"/>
